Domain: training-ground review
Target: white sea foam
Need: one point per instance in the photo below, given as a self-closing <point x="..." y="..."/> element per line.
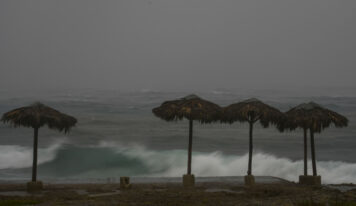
<point x="14" y="156"/>
<point x="174" y="163"/>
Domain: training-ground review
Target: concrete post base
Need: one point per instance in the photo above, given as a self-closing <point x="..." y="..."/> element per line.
<point x="188" y="180"/>
<point x="310" y="180"/>
<point x="125" y="183"/>
<point x="34" y="186"/>
<point x="249" y="180"/>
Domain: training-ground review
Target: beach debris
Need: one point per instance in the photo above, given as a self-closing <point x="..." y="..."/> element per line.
<point x="224" y="190"/>
<point x="105" y="194"/>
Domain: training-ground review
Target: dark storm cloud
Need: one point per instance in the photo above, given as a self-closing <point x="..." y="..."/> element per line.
<point x="173" y="45"/>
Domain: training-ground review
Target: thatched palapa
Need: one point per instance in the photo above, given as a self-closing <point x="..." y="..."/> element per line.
<point x="252" y="111"/>
<point x="38" y="115"/>
<point x="192" y="108"/>
<point x="35" y="116"/>
<point x="315" y="118"/>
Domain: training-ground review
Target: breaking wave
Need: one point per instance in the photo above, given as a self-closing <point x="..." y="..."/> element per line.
<point x="111" y="160"/>
<point x="15" y="156"/>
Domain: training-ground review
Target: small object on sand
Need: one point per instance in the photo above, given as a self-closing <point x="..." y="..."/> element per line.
<point x="105" y="194"/>
<point x="249" y="180"/>
<point x="188" y="180"/>
<point x="125" y="183"/>
<point x="34" y="186"/>
<point x="310" y="180"/>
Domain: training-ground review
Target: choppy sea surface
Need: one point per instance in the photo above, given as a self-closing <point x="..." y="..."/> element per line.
<point x="117" y="135"/>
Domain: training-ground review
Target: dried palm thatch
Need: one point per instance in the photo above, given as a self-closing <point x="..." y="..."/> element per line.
<point x="251" y="111"/>
<point x="315" y="118"/>
<point x="191" y="107"/>
<point x="38" y="115"/>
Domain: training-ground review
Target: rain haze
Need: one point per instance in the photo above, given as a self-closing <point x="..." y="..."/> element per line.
<point x="110" y="64"/>
<point x="180" y="45"/>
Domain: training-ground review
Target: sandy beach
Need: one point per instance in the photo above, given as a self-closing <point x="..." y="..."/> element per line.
<point x="276" y="192"/>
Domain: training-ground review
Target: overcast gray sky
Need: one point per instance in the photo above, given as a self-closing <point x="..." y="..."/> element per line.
<point x="177" y="44"/>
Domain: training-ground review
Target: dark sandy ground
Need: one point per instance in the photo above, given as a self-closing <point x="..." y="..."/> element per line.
<point x="173" y="194"/>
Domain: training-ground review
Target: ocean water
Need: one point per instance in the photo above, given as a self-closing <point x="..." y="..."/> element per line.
<point x="117" y="135"/>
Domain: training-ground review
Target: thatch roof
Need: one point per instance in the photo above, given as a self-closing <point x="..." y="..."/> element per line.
<point x="38" y="115"/>
<point x="312" y="115"/>
<point x="191" y="107"/>
<point x="252" y="110"/>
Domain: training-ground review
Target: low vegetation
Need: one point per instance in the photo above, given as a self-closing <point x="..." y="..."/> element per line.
<point x="19" y="202"/>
